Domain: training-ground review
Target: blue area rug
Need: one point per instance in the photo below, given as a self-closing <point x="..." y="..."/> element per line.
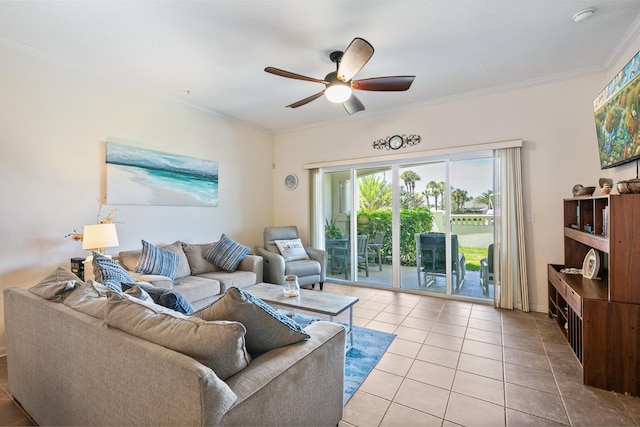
<point x="368" y="347"/>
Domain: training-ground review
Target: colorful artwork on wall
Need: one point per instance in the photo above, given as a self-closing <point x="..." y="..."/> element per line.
<point x="139" y="176"/>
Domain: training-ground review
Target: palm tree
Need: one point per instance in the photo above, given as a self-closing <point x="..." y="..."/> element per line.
<point x="410" y="178"/>
<point x="410" y="201"/>
<point x="486" y="198"/>
<point x="436" y="189"/>
<point x="375" y="193"/>
<point x="458" y="198"/>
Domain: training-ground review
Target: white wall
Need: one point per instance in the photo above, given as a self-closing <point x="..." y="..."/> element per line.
<point x="53" y="124"/>
<point x="555" y="120"/>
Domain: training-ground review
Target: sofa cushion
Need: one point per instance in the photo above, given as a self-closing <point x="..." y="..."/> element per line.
<point x="195" y="288"/>
<point x="89" y="298"/>
<point x="219" y="345"/>
<point x="195" y="254"/>
<point x="129" y="259"/>
<point x="291" y="250"/>
<point x="165" y="297"/>
<point x="227" y="253"/>
<point x="266" y="327"/>
<point x="237" y="279"/>
<point x="109" y="272"/>
<point x="57" y="285"/>
<point x="183" y="263"/>
<point x="303" y="268"/>
<point x="156" y="260"/>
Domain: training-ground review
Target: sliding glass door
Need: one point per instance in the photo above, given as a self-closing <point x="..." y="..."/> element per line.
<point x="425" y="226"/>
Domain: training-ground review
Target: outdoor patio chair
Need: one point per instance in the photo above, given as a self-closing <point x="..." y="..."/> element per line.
<point x="375" y="248"/>
<point x="340" y="259"/>
<point x="486" y="270"/>
<point x="431" y="259"/>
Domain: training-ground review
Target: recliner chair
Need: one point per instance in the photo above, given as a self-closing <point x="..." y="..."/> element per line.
<point x="309" y="271"/>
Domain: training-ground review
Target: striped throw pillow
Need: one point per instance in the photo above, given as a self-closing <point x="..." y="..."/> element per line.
<point x="109" y="272"/>
<point x="227" y="253"/>
<point x="158" y="261"/>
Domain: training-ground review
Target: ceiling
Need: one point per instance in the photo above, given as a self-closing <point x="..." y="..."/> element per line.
<point x="212" y="54"/>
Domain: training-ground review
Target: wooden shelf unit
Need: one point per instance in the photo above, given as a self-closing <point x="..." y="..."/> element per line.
<point x="601" y="317"/>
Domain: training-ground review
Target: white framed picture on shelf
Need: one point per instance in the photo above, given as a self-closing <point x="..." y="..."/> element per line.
<point x="591" y="264"/>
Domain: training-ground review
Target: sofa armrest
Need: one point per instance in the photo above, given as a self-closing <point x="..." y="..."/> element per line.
<point x="273" y="266"/>
<point x="318" y="255"/>
<point x="254" y="264"/>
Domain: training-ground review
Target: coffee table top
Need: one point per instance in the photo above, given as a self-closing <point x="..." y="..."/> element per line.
<point x="315" y="301"/>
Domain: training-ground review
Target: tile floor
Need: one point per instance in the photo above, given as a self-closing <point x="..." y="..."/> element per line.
<point x="457" y="363"/>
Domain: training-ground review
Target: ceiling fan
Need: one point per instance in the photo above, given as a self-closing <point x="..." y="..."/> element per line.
<point x="339" y="84"/>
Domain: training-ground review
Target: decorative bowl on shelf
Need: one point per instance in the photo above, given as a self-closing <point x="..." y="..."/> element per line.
<point x="579" y="190"/>
<point x="630" y="186"/>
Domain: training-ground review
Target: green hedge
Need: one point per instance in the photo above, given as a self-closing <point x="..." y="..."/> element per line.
<point x="418" y="220"/>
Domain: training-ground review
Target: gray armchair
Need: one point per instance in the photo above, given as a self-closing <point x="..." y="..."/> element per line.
<point x="309" y="271"/>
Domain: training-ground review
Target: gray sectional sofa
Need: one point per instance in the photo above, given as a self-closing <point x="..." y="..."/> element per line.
<point x="69" y="365"/>
<point x="197" y="280"/>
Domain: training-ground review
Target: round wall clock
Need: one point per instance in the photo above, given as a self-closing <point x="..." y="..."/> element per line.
<point x="291" y="181"/>
<point x="395" y="142"/>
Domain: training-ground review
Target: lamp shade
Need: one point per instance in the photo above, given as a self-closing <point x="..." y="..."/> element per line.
<point x="99" y="236"/>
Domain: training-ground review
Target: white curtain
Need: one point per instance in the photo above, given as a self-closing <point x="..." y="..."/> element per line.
<point x="510" y="278"/>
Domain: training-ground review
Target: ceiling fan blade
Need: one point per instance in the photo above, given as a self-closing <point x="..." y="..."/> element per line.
<point x="306" y="100"/>
<point x="353" y="105"/>
<point x="289" y="74"/>
<point x="353" y="59"/>
<point x="386" y="84"/>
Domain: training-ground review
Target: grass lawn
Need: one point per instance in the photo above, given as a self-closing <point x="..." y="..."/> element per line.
<point x="473" y="256"/>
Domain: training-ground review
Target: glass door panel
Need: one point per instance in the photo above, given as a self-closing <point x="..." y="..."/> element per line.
<point x="337" y="208"/>
<point x="373" y="226"/>
<point x="422" y="202"/>
<point x="472" y="224"/>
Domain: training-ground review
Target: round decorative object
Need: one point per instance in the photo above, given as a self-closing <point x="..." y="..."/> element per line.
<point x="591" y="264"/>
<point x="291" y="181"/>
<point x="395" y="142"/>
<point x="576" y="189"/>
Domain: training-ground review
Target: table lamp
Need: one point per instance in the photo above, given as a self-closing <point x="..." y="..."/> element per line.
<point x="96" y="237"/>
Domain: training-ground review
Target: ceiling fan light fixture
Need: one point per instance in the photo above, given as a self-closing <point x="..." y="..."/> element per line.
<point x="338" y="93"/>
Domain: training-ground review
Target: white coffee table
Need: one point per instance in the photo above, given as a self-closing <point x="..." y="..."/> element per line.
<point x="314" y="301"/>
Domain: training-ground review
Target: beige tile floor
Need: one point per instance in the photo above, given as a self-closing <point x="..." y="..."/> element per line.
<point x="458" y="363"/>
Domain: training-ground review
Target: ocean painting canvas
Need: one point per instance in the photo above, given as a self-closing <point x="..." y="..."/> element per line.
<point x="139" y="176"/>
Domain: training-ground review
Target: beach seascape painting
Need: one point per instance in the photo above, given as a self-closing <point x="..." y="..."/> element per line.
<point x="138" y="176"/>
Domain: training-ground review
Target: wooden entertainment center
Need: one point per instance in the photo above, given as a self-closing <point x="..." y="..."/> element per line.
<point x="601" y="317"/>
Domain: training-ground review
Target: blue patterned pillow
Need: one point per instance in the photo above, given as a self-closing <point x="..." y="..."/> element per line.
<point x="109" y="272"/>
<point x="164" y="297"/>
<point x="227" y="254"/>
<point x="157" y="261"/>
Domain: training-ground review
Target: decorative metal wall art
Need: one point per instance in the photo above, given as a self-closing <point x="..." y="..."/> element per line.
<point x="396" y="142"/>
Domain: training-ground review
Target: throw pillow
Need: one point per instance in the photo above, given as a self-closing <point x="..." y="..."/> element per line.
<point x="266" y="327"/>
<point x="195" y="254"/>
<point x="57" y="285"/>
<point x="89" y="298"/>
<point x="291" y="250"/>
<point x="218" y="345"/>
<point x="109" y="272"/>
<point x="155" y="260"/>
<point x="162" y="296"/>
<point x="227" y="253"/>
<point x="183" y="269"/>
